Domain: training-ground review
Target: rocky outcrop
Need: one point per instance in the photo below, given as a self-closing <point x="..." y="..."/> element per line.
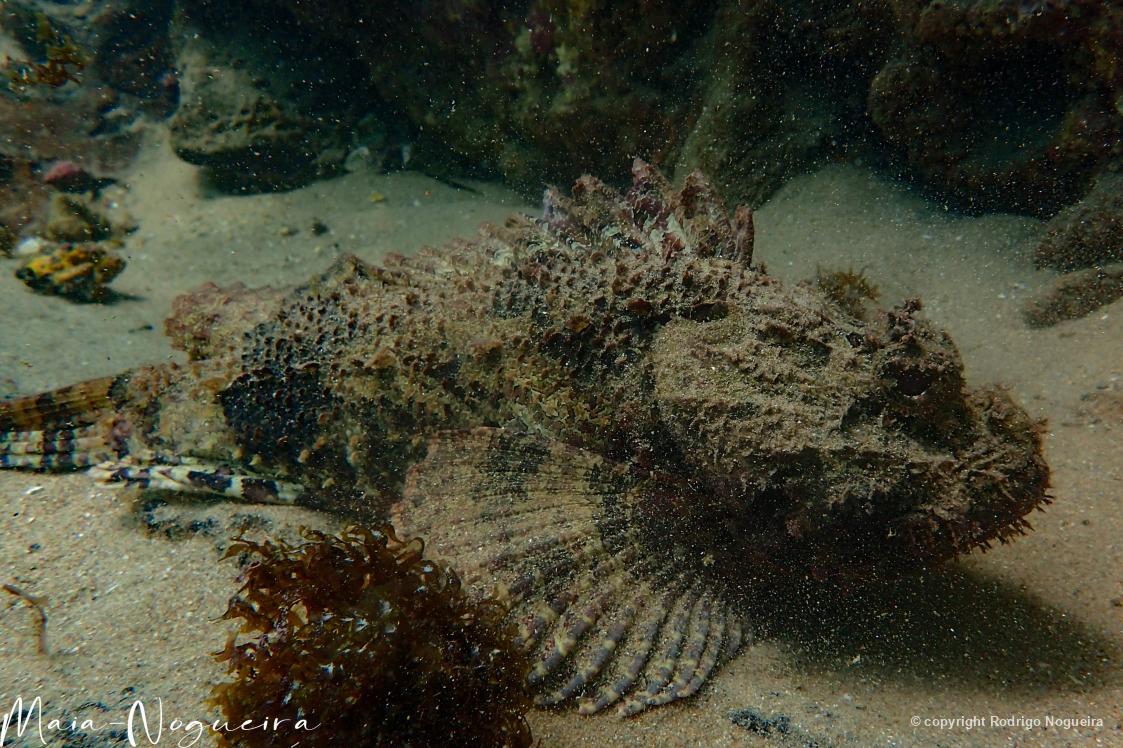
<point x="1002" y="105"/>
<point x="1089" y="232"/>
<point x="1075" y="295"/>
<point x="264" y="103"/>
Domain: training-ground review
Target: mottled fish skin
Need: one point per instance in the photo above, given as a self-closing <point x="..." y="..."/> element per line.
<point x="607" y="409"/>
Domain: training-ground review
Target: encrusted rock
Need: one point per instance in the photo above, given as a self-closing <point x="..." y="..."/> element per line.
<point x="1075" y="295"/>
<point x="70" y="218"/>
<point x="1004" y="105"/>
<point x="248" y="112"/>
<point x="1089" y="232"/>
<point x="80" y="272"/>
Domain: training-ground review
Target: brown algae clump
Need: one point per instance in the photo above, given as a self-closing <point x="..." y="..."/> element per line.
<point x="372" y="645"/>
<point x="851" y="291"/>
<point x="63" y="61"/>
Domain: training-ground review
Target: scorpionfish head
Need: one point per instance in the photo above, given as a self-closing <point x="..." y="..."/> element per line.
<point x="825" y="445"/>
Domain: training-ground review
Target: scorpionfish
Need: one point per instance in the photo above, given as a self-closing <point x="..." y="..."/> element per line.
<point x="607" y="412"/>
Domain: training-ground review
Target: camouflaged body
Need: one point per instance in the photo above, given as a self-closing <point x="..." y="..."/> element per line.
<point x="607" y="412"/>
<point x="632" y="326"/>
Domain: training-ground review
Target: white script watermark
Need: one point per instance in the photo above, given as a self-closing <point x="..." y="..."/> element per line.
<point x="140" y="725"/>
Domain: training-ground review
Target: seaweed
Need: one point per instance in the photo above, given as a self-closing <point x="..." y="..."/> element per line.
<point x="63" y="60"/>
<point x="850" y="290"/>
<point x="371" y="645"/>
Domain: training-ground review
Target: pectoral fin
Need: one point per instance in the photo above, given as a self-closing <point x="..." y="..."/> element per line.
<point x="609" y="616"/>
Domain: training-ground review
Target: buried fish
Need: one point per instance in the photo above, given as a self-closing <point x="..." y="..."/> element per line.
<point x="607" y="412"/>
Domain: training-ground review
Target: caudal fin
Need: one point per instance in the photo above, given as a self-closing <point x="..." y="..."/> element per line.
<point x="66" y="429"/>
<point x="94" y="424"/>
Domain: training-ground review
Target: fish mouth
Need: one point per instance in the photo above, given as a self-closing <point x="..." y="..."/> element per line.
<point x="991" y="487"/>
<point x="978" y="467"/>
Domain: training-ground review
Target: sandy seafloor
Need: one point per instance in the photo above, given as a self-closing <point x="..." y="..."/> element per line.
<point x="1026" y="632"/>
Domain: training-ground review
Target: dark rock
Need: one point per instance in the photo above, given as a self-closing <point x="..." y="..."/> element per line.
<point x="761" y="724"/>
<point x="1000" y="106"/>
<point x="544" y="92"/>
<point x="1089" y="232"/>
<point x="249" y="112"/>
<point x="784" y="91"/>
<point x="126" y="42"/>
<point x="1075" y="295"/>
<point x="67" y="176"/>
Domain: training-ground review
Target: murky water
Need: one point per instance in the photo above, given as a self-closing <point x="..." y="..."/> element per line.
<point x="964" y="154"/>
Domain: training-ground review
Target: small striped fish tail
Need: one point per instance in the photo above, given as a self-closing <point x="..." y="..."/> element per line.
<point x="70" y="428"/>
<point x="74" y="405"/>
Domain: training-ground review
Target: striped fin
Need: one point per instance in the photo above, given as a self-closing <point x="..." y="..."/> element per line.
<point x="607" y="616"/>
<point x="58" y="449"/>
<point x="76" y="405"/>
<point x="70" y="428"/>
<point x="194" y="478"/>
<point x="630" y="661"/>
<point x="100" y="425"/>
<point x="74" y="427"/>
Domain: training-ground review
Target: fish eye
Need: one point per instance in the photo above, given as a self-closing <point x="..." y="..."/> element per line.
<point x="913" y="382"/>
